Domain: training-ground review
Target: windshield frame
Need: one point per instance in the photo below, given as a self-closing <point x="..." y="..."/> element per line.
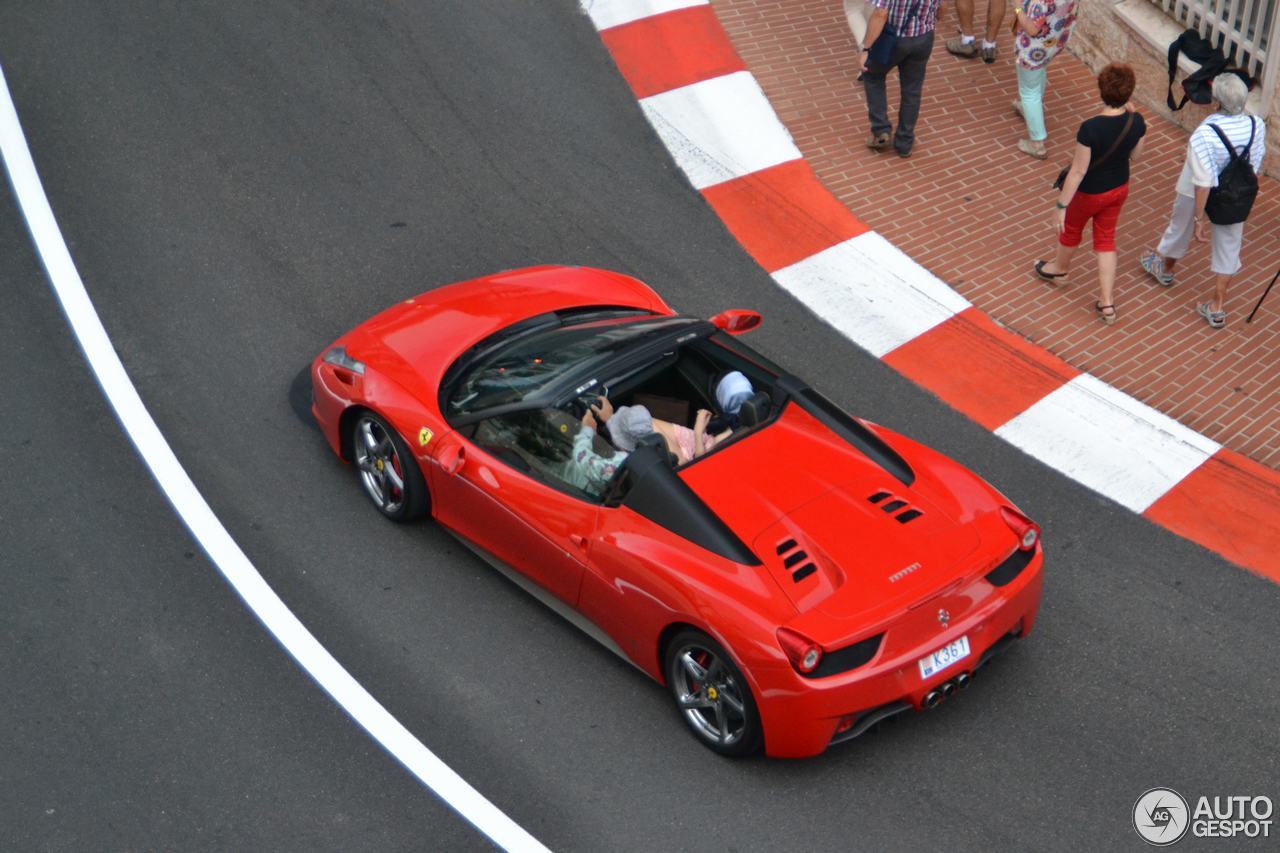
<point x="575" y="381"/>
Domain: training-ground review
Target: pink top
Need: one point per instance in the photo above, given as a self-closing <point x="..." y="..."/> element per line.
<point x="687" y="440"/>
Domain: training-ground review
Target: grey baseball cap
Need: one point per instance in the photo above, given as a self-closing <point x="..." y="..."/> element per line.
<point x="628" y="425"/>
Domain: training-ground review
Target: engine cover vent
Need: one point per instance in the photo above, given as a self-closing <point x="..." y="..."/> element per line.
<point x="892" y="506"/>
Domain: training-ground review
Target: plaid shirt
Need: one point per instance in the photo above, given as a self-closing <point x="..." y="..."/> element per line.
<point x="925" y="19"/>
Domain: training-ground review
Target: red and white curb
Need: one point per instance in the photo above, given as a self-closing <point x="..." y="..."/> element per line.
<point x="718" y="124"/>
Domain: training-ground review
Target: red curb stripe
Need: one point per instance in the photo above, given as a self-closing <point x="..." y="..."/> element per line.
<point x="978" y="367"/>
<point x="783" y="214"/>
<point x="1230" y="505"/>
<point x="671" y="50"/>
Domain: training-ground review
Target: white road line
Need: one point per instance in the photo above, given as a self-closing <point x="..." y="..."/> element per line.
<point x="205" y="526"/>
<point x="1109" y="441"/>
<point x="871" y="292"/>
<point x="612" y="13"/>
<point x="720" y="129"/>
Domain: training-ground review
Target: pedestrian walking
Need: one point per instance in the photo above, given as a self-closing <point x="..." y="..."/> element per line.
<point x="966" y="44"/>
<point x="1097" y="184"/>
<point x="1040" y="31"/>
<point x="907" y="26"/>
<point x="1203" y="167"/>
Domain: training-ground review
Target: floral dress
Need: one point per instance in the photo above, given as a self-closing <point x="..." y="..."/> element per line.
<point x="1036" y="51"/>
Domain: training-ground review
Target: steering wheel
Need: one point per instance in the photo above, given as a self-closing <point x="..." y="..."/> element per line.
<point x="582" y="404"/>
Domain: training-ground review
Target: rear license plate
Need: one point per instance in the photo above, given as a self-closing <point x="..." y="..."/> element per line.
<point x="936" y="662"/>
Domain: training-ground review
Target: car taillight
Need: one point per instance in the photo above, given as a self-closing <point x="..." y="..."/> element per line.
<point x="1024" y="528"/>
<point x="804" y="654"/>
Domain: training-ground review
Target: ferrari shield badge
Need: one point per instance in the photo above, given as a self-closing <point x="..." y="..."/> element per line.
<point x="424" y="436"/>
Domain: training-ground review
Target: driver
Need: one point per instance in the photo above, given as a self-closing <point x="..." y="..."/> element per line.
<point x="585" y="468"/>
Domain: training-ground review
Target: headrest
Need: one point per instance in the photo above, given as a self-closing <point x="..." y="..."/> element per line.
<point x="754" y="409"/>
<point x="658" y="443"/>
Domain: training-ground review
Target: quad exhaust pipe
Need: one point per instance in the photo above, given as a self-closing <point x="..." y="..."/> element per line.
<point x="934" y="697"/>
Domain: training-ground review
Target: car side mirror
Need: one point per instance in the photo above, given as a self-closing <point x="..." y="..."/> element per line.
<point x="737" y="321"/>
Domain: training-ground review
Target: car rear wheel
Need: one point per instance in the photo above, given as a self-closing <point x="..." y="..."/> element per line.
<point x="711" y="694"/>
<point x="386" y="469"/>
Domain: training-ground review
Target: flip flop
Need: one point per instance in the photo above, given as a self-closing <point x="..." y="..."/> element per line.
<point x="1051" y="277"/>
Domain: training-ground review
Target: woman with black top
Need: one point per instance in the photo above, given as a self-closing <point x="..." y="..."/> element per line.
<point x="1097" y="184"/>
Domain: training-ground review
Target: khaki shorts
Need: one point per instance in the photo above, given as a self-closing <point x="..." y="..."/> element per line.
<point x="1224" y="240"/>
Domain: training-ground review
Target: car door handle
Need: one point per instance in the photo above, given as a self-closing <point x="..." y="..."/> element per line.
<point x="579" y="541"/>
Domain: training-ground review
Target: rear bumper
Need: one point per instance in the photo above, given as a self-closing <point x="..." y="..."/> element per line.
<point x="802" y="717"/>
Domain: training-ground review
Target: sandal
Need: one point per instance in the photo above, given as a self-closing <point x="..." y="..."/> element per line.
<point x="1154" y="265"/>
<point x="1215" y="319"/>
<point x="1102" y="312"/>
<point x="1026" y="146"/>
<point x="1051" y="277"/>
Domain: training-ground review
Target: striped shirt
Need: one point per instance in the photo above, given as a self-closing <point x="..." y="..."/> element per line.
<point x="1207" y="156"/>
<point x="923" y="14"/>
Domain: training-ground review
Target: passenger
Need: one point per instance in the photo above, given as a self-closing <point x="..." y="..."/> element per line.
<point x="631" y="423"/>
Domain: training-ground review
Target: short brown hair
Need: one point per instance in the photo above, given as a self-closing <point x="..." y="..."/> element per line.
<point x="1115" y="84"/>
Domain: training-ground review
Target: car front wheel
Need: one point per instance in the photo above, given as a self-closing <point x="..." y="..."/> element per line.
<point x="712" y="696"/>
<point x="387" y="471"/>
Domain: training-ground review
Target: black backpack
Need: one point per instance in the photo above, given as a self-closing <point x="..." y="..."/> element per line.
<point x="1232" y="199"/>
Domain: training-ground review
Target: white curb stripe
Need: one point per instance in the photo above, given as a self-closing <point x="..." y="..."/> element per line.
<point x="720" y="129"/>
<point x="871" y="292"/>
<point x="611" y="13"/>
<point x="204" y="525"/>
<point x="1109" y="441"/>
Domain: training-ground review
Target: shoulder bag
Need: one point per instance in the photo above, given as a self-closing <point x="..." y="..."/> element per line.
<point x="881" y="50"/>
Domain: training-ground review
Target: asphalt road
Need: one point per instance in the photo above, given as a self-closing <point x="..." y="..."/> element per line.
<point x="238" y="184"/>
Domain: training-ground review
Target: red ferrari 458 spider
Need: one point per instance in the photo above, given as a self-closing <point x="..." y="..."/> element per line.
<point x="792" y="574"/>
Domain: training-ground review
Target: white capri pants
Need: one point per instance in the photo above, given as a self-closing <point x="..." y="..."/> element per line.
<point x="1224" y="240"/>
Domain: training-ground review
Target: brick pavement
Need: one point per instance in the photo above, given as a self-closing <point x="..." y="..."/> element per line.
<point x="976" y="212"/>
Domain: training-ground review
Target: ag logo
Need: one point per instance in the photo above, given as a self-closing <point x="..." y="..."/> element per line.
<point x="424" y="437"/>
<point x="1161" y="816"/>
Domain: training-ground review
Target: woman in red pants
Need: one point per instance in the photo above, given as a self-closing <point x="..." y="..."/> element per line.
<point x="1097" y="184"/>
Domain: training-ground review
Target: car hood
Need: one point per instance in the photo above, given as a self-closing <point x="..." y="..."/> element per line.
<point x="836" y="531"/>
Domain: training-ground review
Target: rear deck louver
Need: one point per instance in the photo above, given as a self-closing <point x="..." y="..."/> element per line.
<point x="795" y="560"/>
<point x="894" y="505"/>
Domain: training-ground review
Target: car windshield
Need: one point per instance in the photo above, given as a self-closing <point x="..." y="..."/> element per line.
<point x="532" y="362"/>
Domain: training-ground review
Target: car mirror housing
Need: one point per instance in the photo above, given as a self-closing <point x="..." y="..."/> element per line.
<point x="737" y="321"/>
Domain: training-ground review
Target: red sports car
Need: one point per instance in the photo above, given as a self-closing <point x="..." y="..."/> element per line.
<point x="792" y="574"/>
